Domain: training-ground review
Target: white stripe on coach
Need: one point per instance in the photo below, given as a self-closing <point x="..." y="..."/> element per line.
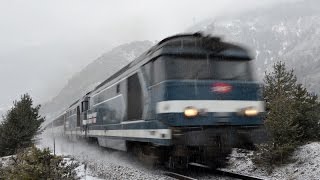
<point x="132" y="133"/>
<point x="178" y="106"/>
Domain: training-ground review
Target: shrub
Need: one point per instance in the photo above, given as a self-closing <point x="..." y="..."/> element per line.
<point x="34" y="163"/>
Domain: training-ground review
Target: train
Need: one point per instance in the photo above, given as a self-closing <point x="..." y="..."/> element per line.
<point x="190" y="98"/>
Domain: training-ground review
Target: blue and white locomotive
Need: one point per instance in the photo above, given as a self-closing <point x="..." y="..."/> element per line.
<point x="190" y="98"/>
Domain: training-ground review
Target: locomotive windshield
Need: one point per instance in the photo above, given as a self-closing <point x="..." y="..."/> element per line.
<point x="202" y="69"/>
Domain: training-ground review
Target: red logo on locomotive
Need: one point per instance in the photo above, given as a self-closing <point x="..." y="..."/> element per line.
<point x="221" y="88"/>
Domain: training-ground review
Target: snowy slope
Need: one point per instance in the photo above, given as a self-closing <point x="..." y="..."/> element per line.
<point x="305" y="167"/>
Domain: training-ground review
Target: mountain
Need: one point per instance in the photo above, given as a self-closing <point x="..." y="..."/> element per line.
<point x="91" y="76"/>
<point x="289" y="32"/>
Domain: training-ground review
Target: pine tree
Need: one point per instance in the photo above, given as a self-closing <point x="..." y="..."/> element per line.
<point x="20" y="125"/>
<point x="279" y="94"/>
<point x="307" y="117"/>
<point x="292" y="115"/>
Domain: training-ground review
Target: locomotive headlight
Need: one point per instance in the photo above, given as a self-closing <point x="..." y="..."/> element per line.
<point x="251" y="111"/>
<point x="190" y="112"/>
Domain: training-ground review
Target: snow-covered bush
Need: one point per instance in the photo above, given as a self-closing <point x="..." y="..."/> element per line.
<point x="34" y="163"/>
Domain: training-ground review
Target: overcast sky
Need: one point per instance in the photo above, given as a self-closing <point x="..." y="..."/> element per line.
<point x="43" y="42"/>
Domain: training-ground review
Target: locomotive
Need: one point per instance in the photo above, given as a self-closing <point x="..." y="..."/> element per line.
<point x="189" y="99"/>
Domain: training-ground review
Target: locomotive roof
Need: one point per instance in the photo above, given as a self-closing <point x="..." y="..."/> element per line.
<point x="187" y="44"/>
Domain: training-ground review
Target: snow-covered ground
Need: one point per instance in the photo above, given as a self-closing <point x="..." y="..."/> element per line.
<point x="306" y="166"/>
<point x="101" y="163"/>
<point x="5" y="161"/>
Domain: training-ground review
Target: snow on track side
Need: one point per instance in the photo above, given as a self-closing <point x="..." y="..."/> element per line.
<point x="101" y="163"/>
<point x="306" y="165"/>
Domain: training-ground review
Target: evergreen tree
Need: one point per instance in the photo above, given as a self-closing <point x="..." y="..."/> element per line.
<point x="292" y="114"/>
<point x="307" y="117"/>
<point x="20" y="125"/>
<point x="279" y="94"/>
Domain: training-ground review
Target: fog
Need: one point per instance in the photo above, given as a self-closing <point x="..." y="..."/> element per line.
<point x="43" y="43"/>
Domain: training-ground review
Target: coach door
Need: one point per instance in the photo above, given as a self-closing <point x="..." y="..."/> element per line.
<point x="134" y="105"/>
<point x="78" y="116"/>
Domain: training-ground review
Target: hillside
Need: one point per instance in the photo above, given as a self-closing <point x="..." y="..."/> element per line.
<point x="288" y="32"/>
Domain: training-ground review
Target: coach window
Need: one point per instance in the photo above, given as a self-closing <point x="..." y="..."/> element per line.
<point x="118" y="88"/>
<point x="84" y="105"/>
<point x="78" y="115"/>
<point x="147" y="72"/>
<point x="134" y="104"/>
<point x="158" y="70"/>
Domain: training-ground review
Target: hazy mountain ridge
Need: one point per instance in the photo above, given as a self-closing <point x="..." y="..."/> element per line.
<point x="288" y="32"/>
<point x="94" y="73"/>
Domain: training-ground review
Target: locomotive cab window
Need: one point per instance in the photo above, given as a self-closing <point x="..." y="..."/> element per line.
<point x="167" y="68"/>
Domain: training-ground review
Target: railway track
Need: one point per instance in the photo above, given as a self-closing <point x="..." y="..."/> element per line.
<point x="178" y="176"/>
<point x="235" y="175"/>
<point x="208" y="171"/>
